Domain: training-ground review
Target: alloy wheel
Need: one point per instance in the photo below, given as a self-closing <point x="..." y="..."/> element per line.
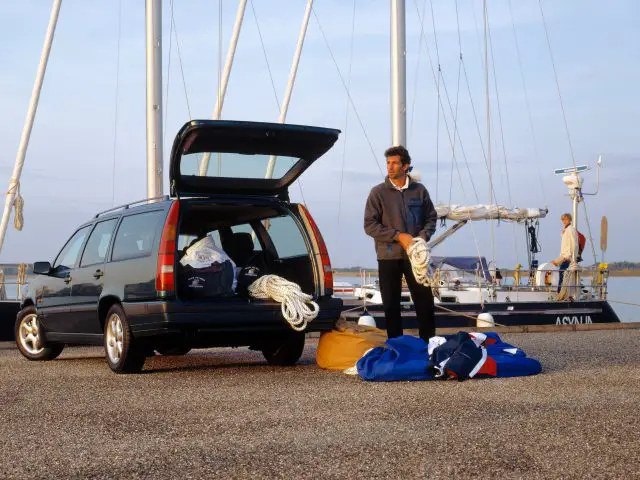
<point x="115" y="336"/>
<point x="29" y="334"/>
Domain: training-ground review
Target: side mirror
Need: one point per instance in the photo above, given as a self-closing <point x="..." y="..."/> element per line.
<point x="41" y="268"/>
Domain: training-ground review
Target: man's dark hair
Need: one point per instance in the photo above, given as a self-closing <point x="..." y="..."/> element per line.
<point x="400" y="151"/>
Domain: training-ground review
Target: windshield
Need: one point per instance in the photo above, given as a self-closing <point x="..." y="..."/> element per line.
<point x="235" y="165"/>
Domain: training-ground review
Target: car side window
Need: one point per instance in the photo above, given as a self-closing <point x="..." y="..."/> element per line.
<point x="98" y="243"/>
<point x="68" y="256"/>
<point x="136" y="235"/>
<point x="286" y="237"/>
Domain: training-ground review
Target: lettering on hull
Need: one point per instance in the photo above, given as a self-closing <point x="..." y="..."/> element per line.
<point x="574" y="320"/>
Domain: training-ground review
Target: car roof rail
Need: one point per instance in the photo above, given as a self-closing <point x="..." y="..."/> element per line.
<point x="128" y="205"/>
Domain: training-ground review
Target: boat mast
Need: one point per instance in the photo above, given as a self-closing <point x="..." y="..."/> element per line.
<point x="224" y="81"/>
<point x="153" y="17"/>
<point x="14" y="183"/>
<point x="398" y="74"/>
<point x="284" y="108"/>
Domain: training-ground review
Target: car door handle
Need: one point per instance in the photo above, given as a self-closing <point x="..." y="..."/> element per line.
<point x="98" y="274"/>
<point x="67" y="279"/>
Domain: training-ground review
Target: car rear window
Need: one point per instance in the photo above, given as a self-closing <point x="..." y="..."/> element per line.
<point x="136" y="235"/>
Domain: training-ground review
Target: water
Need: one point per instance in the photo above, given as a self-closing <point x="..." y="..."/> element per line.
<point x="623" y="289"/>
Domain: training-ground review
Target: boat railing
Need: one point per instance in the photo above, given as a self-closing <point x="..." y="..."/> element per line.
<point x="13" y="279"/>
<point x="523" y="281"/>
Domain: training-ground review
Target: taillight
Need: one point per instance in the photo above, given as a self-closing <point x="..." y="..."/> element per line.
<point x="322" y="250"/>
<point x="165" y="279"/>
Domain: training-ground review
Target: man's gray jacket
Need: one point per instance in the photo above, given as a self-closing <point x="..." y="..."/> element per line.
<point x="390" y="212"/>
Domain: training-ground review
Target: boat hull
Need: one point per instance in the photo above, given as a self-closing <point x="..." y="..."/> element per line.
<point x="507" y="313"/>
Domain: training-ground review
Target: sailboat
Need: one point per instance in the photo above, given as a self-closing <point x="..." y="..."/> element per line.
<point x="460" y="301"/>
<point x="469" y="292"/>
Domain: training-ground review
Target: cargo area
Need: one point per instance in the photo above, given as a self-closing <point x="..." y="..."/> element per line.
<point x="259" y="239"/>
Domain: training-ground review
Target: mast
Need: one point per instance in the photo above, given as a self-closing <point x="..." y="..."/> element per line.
<point x="14" y="183"/>
<point x="224" y="81"/>
<point x="292" y="78"/>
<point x="398" y="74"/>
<point x="153" y="17"/>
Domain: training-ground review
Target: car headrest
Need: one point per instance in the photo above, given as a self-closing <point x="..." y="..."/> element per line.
<point x="242" y="247"/>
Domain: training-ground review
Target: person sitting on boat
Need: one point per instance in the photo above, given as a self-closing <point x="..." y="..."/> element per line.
<point x="397" y="210"/>
<point x="568" y="246"/>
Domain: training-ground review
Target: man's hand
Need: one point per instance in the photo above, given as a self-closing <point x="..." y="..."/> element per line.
<point x="405" y="240"/>
<point x="554" y="263"/>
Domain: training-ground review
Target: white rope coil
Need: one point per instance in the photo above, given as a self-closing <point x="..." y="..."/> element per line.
<point x="18" y="205"/>
<point x="298" y="308"/>
<point x="419" y="255"/>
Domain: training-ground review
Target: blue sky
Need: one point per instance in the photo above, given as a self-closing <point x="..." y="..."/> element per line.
<point x="69" y="170"/>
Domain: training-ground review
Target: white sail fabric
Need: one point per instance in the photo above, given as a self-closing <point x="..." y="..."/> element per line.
<point x="489" y="212"/>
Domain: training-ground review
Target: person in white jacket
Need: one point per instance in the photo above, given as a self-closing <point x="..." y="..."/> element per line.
<point x="568" y="246"/>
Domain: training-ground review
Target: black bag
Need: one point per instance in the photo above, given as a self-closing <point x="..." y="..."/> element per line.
<point x="213" y="281"/>
<point x="246" y="277"/>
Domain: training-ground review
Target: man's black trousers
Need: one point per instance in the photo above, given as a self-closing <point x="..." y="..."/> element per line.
<point x="390" y="275"/>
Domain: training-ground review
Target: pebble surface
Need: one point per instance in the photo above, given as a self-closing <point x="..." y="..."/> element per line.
<point x="225" y="412"/>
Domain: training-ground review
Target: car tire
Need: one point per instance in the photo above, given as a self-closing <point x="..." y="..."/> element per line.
<point x="284" y="350"/>
<point x="173" y="351"/>
<point x="29" y="337"/>
<point x="123" y="355"/>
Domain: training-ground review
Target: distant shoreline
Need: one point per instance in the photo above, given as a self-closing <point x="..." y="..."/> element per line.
<point x="507" y="273"/>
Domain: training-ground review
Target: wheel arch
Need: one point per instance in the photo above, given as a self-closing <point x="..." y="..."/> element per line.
<point x="104" y="305"/>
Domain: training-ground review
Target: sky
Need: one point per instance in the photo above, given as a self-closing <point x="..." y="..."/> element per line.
<point x="87" y="148"/>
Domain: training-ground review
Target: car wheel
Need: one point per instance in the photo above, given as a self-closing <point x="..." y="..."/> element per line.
<point x="123" y="355"/>
<point x="284" y="350"/>
<point x="179" y="350"/>
<point x="29" y="337"/>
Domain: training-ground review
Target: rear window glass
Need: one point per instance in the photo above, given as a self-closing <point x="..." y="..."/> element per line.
<point x="234" y="165"/>
<point x="286" y="237"/>
<point x="136" y="235"/>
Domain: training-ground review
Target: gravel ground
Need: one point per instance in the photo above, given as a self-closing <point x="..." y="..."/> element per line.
<point x="225" y="412"/>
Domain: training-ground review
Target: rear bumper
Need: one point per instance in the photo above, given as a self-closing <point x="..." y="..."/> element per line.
<point x="250" y="318"/>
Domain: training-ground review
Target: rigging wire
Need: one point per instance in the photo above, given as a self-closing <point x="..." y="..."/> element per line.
<point x="555" y="75"/>
<point x="415" y="83"/>
<point x="166" y="97"/>
<point x="264" y="52"/>
<point x="433" y="73"/>
<point x="586" y="216"/>
<point x="462" y="189"/>
<point x="528" y="105"/>
<point x="346" y="113"/>
<point x="455" y="117"/>
<point x="115" y="116"/>
<point x="438" y="94"/>
<point x="456" y="131"/>
<point x="504" y="149"/>
<point x="174" y="27"/>
<point x="344" y="85"/>
<point x="564" y="118"/>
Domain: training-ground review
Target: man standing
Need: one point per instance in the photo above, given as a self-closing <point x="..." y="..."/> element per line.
<point x="397" y="210"/>
<point x="568" y="246"/>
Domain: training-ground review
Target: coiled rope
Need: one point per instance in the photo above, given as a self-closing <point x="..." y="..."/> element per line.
<point x="419" y="255"/>
<point x="18" y="205"/>
<point x="297" y="307"/>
